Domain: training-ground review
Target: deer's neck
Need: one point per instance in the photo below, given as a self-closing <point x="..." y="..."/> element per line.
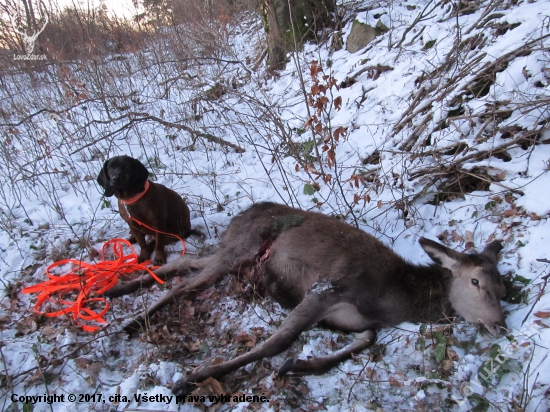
<point x="428" y="291"/>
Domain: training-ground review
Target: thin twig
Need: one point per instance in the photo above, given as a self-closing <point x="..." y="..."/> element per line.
<point x="541" y="291"/>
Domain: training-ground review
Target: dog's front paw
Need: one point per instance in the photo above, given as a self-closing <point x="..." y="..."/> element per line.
<point x="144" y="256"/>
<point x="160" y="259"/>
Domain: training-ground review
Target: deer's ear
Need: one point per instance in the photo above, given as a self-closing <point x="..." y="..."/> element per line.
<point x="440" y="254"/>
<point x="492" y="250"/>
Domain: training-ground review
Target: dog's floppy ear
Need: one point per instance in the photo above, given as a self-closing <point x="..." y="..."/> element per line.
<point x="103" y="180"/>
<point x="141" y="174"/>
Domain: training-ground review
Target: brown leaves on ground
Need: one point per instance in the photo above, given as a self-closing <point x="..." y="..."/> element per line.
<point x="542" y="315"/>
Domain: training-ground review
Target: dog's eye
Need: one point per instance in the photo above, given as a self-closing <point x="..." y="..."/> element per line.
<point x="475" y="282"/>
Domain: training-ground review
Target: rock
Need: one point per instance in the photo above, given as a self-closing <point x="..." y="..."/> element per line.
<point x="361" y="35"/>
<point x="381" y="26"/>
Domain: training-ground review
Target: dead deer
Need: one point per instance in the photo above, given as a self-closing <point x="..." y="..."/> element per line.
<point x="330" y="272"/>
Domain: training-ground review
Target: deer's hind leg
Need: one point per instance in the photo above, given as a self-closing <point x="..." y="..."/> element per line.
<point x="207" y="276"/>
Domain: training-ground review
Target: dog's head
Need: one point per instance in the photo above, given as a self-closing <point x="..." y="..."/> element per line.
<point x="123" y="176"/>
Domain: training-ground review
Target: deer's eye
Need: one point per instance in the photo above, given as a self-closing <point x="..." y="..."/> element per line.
<point x="475" y="282"/>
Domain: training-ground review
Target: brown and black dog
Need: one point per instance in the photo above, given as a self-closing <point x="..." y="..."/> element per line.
<point x="150" y="203"/>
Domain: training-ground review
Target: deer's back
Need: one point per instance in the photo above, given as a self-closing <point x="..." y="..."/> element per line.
<point x="300" y="248"/>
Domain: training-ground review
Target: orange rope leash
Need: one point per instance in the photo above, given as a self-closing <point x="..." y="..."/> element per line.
<point x="183" y="247"/>
<point x="89" y="280"/>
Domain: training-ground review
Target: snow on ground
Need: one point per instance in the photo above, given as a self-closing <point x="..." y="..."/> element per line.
<point x="48" y="220"/>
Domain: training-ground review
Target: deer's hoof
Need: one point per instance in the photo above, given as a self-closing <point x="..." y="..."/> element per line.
<point x="134" y="326"/>
<point x="183" y="388"/>
<point x="286" y="367"/>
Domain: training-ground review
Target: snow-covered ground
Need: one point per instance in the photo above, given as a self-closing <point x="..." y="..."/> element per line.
<point x="409" y="113"/>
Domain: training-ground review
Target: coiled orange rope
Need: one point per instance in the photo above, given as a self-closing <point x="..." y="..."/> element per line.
<point x="87" y="281"/>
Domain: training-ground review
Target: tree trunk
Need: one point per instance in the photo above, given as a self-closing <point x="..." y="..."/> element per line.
<point x="288" y="28"/>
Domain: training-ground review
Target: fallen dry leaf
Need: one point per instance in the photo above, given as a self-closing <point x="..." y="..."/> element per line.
<point x="82" y="363"/>
<point x="457" y="237"/>
<point x="35" y="378"/>
<point x="214" y="386"/>
<point x="509" y="213"/>
<point x="194" y="346"/>
<point x="248" y="339"/>
<point x="541" y="324"/>
<point x="217" y="361"/>
<point x="27" y="325"/>
<point x="395" y="382"/>
<point x="452" y="355"/>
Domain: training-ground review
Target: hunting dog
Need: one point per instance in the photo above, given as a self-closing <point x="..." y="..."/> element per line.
<point x="142" y="202"/>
